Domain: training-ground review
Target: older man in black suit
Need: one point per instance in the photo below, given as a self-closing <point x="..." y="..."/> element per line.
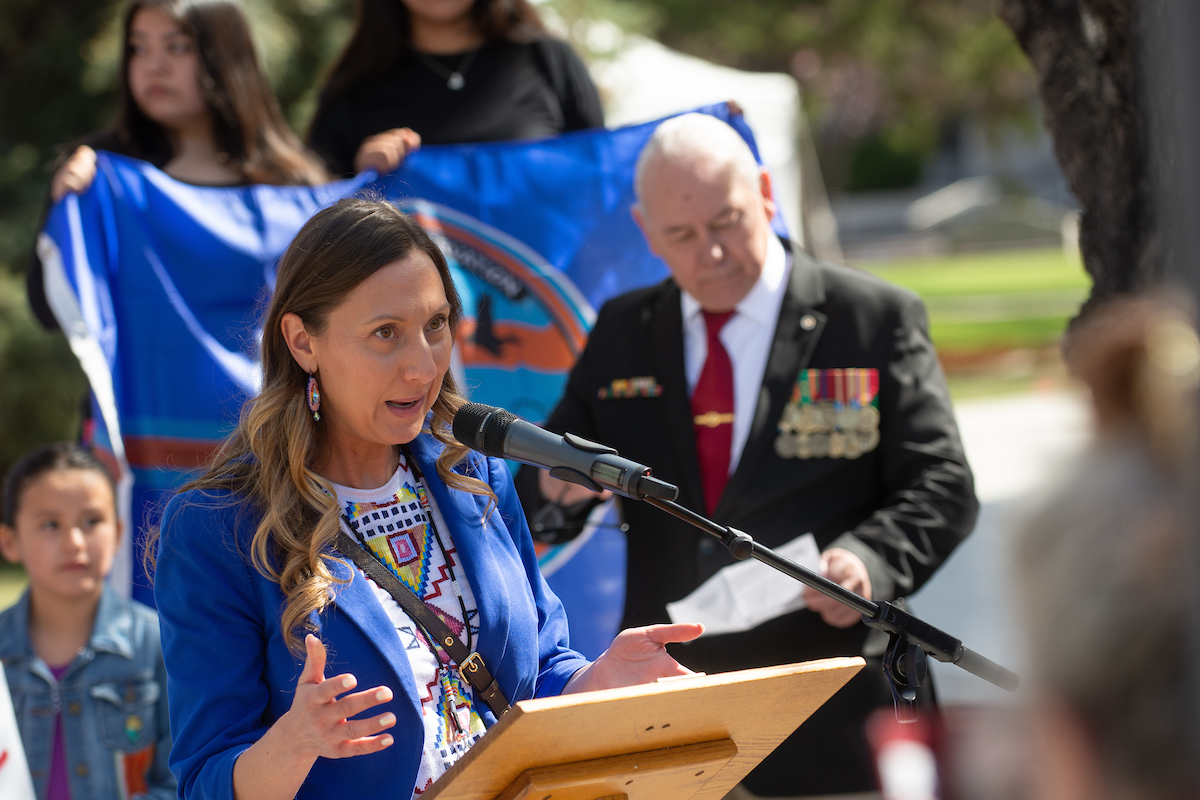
<point x="783" y="396"/>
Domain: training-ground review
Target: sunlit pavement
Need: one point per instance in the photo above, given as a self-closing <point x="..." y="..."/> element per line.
<point x="1017" y="447"/>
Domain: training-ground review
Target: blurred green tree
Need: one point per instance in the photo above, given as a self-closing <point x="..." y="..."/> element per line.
<point x="42" y="388"/>
<point x="888" y="76"/>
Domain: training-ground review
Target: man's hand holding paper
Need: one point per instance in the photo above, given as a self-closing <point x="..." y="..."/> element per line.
<point x="848" y="571"/>
<point x="746" y="594"/>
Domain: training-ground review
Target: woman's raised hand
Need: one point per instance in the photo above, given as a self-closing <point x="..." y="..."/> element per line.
<point x="637" y="655"/>
<point x="385" y="151"/>
<point x="318" y="722"/>
<point x="75" y="175"/>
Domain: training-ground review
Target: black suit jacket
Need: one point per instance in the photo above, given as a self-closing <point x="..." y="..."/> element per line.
<point x="902" y="508"/>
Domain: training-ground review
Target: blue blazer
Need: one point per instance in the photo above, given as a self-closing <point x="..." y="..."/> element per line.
<point x="230" y="675"/>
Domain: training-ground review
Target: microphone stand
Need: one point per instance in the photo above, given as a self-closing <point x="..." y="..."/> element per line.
<point x="597" y="466"/>
<point x="910" y="639"/>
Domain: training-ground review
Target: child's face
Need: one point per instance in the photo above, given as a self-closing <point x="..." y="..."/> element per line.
<point x="164" y="71"/>
<point x="66" y="533"/>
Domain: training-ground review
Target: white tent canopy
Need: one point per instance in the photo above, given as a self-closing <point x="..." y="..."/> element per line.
<point x="644" y="80"/>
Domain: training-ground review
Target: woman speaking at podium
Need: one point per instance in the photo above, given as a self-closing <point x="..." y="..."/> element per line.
<point x="348" y="596"/>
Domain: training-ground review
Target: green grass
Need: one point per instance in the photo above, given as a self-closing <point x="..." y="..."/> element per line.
<point x="987" y="302"/>
<point x="987" y="273"/>
<point x="996" y="335"/>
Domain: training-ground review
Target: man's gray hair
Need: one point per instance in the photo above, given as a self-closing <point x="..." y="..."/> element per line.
<point x="689" y="138"/>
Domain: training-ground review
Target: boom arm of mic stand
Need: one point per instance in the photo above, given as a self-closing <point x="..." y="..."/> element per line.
<point x="881" y="614"/>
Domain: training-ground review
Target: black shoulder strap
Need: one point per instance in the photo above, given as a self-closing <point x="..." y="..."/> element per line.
<point x="470" y="665"/>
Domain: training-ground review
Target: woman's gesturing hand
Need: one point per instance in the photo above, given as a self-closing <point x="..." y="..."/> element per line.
<point x="637" y="655"/>
<point x="318" y="722"/>
<point x="75" y="175"/>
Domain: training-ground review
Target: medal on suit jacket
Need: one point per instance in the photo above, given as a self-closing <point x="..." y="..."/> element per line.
<point x="832" y="413"/>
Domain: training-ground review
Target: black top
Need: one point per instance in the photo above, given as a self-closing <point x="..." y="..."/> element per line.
<point x="510" y="91"/>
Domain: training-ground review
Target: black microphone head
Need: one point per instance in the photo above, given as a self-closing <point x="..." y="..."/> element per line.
<point x="482" y="428"/>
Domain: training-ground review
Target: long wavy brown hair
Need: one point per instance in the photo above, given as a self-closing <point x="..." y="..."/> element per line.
<point x="267" y="460"/>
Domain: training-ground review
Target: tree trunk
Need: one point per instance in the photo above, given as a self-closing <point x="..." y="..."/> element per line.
<point x="1085" y="53"/>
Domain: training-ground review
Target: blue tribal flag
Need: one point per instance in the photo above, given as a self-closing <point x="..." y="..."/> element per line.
<point x="160" y="286"/>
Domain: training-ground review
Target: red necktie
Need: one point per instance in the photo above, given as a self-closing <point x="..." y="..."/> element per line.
<point x="712" y="412"/>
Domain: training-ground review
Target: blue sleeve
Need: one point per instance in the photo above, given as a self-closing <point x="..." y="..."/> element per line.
<point x="213" y="644"/>
<point x="557" y="662"/>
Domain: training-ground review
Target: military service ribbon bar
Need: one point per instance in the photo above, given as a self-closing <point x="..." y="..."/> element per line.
<point x="832" y="413"/>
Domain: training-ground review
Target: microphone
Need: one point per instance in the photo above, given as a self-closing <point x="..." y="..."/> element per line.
<point x="496" y="432"/>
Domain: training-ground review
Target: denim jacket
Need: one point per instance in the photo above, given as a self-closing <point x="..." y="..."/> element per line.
<point x="113" y="700"/>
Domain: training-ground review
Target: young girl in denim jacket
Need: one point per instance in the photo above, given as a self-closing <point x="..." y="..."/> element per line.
<point x="83" y="664"/>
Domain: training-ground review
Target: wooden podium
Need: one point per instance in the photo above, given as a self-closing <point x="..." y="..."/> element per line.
<point x="689" y="737"/>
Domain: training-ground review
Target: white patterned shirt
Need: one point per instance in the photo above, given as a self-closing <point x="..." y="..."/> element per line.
<point x="394" y="522"/>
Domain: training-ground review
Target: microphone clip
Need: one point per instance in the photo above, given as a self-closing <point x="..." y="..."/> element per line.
<point x="575" y="476"/>
<point x="906" y="666"/>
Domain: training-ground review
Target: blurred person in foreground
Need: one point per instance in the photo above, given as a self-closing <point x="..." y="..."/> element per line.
<point x="783" y="396"/>
<point x="1107" y="572"/>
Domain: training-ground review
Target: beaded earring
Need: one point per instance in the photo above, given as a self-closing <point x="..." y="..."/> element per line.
<point x="313" y="393"/>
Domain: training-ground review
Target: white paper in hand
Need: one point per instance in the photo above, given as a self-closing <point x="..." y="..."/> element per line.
<point x="747" y="594"/>
<point x="15" y="783"/>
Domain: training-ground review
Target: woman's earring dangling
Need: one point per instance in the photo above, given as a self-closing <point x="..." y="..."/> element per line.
<point x="313" y="393"/>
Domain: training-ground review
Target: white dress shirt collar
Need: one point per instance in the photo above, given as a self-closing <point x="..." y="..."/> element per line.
<point x="747" y="337"/>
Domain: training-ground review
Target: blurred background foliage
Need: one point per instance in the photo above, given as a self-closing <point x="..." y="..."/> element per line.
<point x="884" y="82"/>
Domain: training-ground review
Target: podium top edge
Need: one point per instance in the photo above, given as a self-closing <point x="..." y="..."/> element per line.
<point x="690" y="682"/>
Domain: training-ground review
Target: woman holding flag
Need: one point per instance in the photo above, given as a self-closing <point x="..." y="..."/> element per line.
<point x="194" y="102"/>
<point x="341" y="529"/>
